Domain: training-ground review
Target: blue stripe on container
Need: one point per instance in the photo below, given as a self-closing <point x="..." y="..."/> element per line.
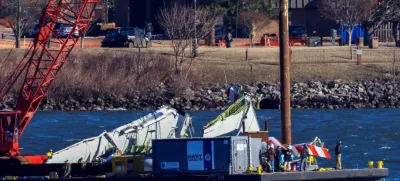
<point x="207" y="153"/>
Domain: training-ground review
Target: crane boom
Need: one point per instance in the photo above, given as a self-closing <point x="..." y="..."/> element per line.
<point x="41" y="66"/>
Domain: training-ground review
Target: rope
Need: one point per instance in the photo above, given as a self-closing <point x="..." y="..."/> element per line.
<point x="66" y="170"/>
<point x="124" y="145"/>
<point x="87" y="148"/>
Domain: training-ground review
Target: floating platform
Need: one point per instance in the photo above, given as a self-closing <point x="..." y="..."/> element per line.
<point x="341" y="175"/>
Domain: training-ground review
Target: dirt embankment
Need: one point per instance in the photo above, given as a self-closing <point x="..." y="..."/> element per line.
<point x="121" y="78"/>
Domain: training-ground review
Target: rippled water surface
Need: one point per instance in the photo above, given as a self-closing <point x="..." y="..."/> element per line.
<point x="367" y="134"/>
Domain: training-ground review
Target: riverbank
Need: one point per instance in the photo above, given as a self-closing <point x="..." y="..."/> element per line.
<point x="123" y="79"/>
<point x="336" y="94"/>
<point x="101" y="68"/>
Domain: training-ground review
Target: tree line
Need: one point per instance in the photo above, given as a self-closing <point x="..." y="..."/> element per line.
<point x="370" y="14"/>
<point x="248" y="14"/>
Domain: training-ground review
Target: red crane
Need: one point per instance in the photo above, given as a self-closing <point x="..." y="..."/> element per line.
<point x="40" y="67"/>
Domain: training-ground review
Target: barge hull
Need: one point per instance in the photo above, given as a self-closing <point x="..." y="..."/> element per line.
<point x="341" y="175"/>
<point x="77" y="169"/>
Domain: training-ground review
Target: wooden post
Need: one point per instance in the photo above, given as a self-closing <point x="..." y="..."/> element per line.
<point x="251" y="72"/>
<point x="394" y="66"/>
<point x="285" y="72"/>
<point x="247" y="54"/>
<point x="82" y="38"/>
<point x="351" y="52"/>
<point x="265" y="41"/>
<point x="359" y="55"/>
<point x="226" y="80"/>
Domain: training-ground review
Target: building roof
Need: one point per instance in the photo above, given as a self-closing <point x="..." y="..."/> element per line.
<point x="4" y="23"/>
<point x="298" y="4"/>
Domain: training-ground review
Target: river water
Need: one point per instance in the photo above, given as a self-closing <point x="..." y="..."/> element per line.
<point x="366" y="134"/>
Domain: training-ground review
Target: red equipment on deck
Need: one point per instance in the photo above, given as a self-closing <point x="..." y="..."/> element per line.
<point x="41" y="65"/>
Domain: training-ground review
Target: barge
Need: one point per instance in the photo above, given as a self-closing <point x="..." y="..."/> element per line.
<point x="96" y="165"/>
<point x="233" y="158"/>
<point x="341" y="175"/>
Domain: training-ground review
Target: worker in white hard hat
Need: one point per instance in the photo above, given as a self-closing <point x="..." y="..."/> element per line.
<point x="50" y="153"/>
<point x="288" y="158"/>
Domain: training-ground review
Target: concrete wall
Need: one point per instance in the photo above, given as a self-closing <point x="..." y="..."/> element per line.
<point x="301" y="12"/>
<point x="141" y="11"/>
<point x="121" y="12"/>
<point x="313" y="21"/>
<point x="306" y="12"/>
<point x="294" y="3"/>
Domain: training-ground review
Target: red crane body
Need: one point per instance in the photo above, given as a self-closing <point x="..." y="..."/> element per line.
<point x="41" y="65"/>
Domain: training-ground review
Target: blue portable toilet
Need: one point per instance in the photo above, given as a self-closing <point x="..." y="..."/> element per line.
<point x="357" y="32"/>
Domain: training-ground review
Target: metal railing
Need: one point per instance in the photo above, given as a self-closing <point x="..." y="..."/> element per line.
<point x="7" y="36"/>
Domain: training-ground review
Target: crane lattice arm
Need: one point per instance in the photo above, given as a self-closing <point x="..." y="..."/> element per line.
<point x="41" y="65"/>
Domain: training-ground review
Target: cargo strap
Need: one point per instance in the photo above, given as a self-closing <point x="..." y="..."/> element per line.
<point x="109" y="138"/>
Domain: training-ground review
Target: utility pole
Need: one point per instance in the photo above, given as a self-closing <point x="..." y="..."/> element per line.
<point x="129" y="16"/>
<point x="284" y="54"/>
<point x="18" y="28"/>
<point x="237" y="16"/>
<point x="105" y="11"/>
<point x="195" y="31"/>
<point x="148" y="15"/>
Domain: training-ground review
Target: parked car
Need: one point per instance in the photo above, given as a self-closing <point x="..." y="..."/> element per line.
<point x="63" y="30"/>
<point x="297" y="31"/>
<point x="31" y="30"/>
<point x="159" y="37"/>
<point x="125" y="37"/>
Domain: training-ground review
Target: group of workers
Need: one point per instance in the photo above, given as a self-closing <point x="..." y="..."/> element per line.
<point x="280" y="159"/>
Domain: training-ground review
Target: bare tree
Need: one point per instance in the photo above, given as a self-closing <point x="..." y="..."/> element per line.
<point x="251" y="23"/>
<point x="91" y="26"/>
<point x="385" y="12"/>
<point x="180" y="26"/>
<point x="20" y="14"/>
<point x="346" y="12"/>
<point x="105" y="11"/>
<point x="107" y="5"/>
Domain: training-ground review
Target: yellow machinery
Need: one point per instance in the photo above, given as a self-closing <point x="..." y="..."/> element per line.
<point x="128" y="163"/>
<point x="105" y="26"/>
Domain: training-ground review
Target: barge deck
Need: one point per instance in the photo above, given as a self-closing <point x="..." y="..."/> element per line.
<point x="341" y="175"/>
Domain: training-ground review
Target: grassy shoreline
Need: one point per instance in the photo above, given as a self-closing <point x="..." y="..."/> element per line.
<point x="120" y="71"/>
